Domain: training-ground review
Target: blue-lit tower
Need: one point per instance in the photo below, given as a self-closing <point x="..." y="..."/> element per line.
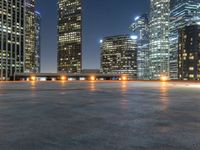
<point x="140" y="29"/>
<point x="159" y="39"/>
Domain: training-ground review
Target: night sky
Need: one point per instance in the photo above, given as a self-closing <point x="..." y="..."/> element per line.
<point x="100" y="18"/>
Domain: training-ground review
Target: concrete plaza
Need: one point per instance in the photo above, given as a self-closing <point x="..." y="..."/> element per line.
<point x="99" y="116"/>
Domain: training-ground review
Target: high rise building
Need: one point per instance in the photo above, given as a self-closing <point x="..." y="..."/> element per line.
<point x="183" y="13"/>
<point x="119" y="55"/>
<point x="30" y="36"/>
<point x="12" y="34"/>
<point x="38" y="42"/>
<point x="141" y="30"/>
<point x="189" y="53"/>
<point x="159" y="39"/>
<point x="69" y="36"/>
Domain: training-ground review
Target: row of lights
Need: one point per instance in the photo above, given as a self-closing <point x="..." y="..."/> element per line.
<point x="92" y="78"/>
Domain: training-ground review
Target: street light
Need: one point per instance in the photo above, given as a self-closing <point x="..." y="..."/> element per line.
<point x="63" y="78"/>
<point x="92" y="78"/>
<point x="32" y="78"/>
<point x="124" y="78"/>
<point x="164" y="78"/>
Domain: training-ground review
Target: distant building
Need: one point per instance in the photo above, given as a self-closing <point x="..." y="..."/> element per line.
<point x="69" y="36"/>
<point x="119" y="55"/>
<point x="183" y="13"/>
<point x="159" y="39"/>
<point x="189" y="53"/>
<point x="30" y="36"/>
<point x="141" y="29"/>
<point x="12" y="33"/>
<point x="90" y="71"/>
<point x="38" y="42"/>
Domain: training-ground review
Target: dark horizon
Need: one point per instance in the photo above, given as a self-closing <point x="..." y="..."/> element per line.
<point x="97" y="23"/>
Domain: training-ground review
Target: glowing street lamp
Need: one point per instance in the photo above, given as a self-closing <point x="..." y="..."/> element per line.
<point x="33" y="78"/>
<point x="92" y="78"/>
<point x="164" y="78"/>
<point x="124" y="78"/>
<point x="63" y="78"/>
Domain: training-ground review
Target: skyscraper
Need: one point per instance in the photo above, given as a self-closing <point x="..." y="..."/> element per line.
<point x="69" y="36"/>
<point x="12" y="34"/>
<point x="30" y="36"/>
<point x="159" y="38"/>
<point x="183" y="13"/>
<point x="141" y="29"/>
<point x="119" y="55"/>
<point x="189" y="53"/>
<point x="38" y="42"/>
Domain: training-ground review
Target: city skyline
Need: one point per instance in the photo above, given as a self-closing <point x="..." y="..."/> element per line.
<point x="93" y="31"/>
<point x="76" y="44"/>
<point x="85" y="74"/>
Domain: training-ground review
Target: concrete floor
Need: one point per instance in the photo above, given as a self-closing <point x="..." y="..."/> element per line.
<point x="99" y="116"/>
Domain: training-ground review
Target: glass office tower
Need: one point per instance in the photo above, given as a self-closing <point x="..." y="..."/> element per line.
<point x="30" y="38"/>
<point x="38" y="42"/>
<point x="69" y="36"/>
<point x="140" y="29"/>
<point x="119" y="55"/>
<point x="183" y="13"/>
<point x="159" y="39"/>
<point x="12" y="35"/>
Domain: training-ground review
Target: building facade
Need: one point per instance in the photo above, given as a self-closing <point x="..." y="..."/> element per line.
<point x="189" y="53"/>
<point x="12" y="35"/>
<point x="183" y="13"/>
<point x="69" y="36"/>
<point x="159" y="39"/>
<point x="38" y="42"/>
<point x="119" y="55"/>
<point x="30" y="37"/>
<point x="140" y="29"/>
